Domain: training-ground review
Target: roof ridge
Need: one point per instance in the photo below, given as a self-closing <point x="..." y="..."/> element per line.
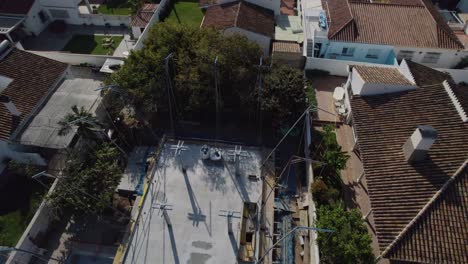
<point x="425" y="209"/>
<point x="444" y="27"/>
<point x="238" y="12"/>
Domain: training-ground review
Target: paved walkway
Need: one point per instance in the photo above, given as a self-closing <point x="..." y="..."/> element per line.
<point x="324" y="87"/>
<point x="356" y="195"/>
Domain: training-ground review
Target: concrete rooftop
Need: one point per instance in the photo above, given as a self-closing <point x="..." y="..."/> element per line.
<point x="199" y="234"/>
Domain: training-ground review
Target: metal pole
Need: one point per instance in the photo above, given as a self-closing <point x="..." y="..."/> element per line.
<point x="6" y="249"/>
<point x="168" y="83"/>
<point x="287" y="133"/>
<point x="216" y="95"/>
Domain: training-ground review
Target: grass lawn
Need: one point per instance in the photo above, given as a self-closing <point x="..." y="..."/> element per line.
<point x="115" y="9"/>
<point x="91" y="44"/>
<point x="187" y="13"/>
<point x="12" y="225"/>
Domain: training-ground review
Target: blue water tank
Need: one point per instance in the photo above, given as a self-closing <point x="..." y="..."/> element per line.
<point x="323" y="20"/>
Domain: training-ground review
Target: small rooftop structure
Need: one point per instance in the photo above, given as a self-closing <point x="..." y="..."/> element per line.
<point x="240" y="14"/>
<point x="413" y="203"/>
<point x="289" y="28"/>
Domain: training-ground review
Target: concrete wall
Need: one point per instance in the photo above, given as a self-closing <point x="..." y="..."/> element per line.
<point x="463" y="6"/>
<point x="457" y="75"/>
<point x="38" y="225"/>
<point x="136" y="32"/>
<point x="75" y="59"/>
<point x="263" y="41"/>
<point x="336" y="67"/>
<point x="448" y="58"/>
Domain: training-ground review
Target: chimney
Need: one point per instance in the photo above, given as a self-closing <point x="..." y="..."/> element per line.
<point x="9" y="105"/>
<point x="416" y="147"/>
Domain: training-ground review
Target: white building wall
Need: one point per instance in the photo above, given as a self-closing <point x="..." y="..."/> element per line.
<point x="33" y="24"/>
<point x="448" y="58"/>
<point x="336" y="67"/>
<point x="263" y="41"/>
<point x="8" y="151"/>
<point x="269" y="4"/>
<point x="333" y="50"/>
<point x="356" y="82"/>
<point x="136" y="32"/>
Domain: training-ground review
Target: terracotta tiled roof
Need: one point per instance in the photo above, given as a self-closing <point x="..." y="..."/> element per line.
<point x="19" y="7"/>
<point x="287" y="7"/>
<point x="382" y="75"/>
<point x="142" y="18"/>
<point x="461" y="92"/>
<point x="243" y="15"/>
<point x="440" y="232"/>
<point x="426" y="76"/>
<point x="402" y="23"/>
<point x="33" y="77"/>
<point x="398" y="190"/>
<point x="288" y="47"/>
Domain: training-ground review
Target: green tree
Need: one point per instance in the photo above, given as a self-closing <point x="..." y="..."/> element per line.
<point x="351" y="241"/>
<point x="89" y="184"/>
<point x="191" y="69"/>
<point x="85" y="122"/>
<point x="283" y="95"/>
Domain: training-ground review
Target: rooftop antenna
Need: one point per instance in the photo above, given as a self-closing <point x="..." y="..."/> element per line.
<point x="178" y="151"/>
<point x="216" y="95"/>
<point x="229" y="216"/>
<point x="163" y="208"/>
<point x="169" y="90"/>
<point x="237" y="154"/>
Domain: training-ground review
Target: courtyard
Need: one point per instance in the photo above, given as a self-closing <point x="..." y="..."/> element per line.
<point x="184" y="218"/>
<point x="186" y="12"/>
<point x="96" y="40"/>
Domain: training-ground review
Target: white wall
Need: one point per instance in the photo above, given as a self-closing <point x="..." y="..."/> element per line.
<point x="75" y="59"/>
<point x="333" y="50"/>
<point x="336" y="67"/>
<point x="33" y="24"/>
<point x="448" y="58"/>
<point x="263" y="41"/>
<point x="136" y="32"/>
<point x="270" y="4"/>
<point x="38" y="224"/>
<point x="356" y="82"/>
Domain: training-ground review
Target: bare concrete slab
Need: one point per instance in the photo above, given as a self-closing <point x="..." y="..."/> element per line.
<point x="193" y="228"/>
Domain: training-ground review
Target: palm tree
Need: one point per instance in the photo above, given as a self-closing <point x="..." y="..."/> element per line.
<point x="85" y="122"/>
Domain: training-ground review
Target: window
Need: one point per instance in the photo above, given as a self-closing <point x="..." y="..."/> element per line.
<point x="405" y="54"/>
<point x="58" y="13"/>
<point x="349" y="52"/>
<point x="431" y="57"/>
<point x="43" y="16"/>
<point x="373" y="54"/>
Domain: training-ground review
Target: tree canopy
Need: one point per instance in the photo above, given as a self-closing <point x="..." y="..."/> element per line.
<point x="191" y="69"/>
<point x="284" y="95"/>
<point x="350" y="243"/>
<point x="89" y="184"/>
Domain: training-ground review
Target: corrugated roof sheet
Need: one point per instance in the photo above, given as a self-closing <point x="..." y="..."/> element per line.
<point x="399" y="190"/>
<point x="33" y="78"/>
<point x="403" y="23"/>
